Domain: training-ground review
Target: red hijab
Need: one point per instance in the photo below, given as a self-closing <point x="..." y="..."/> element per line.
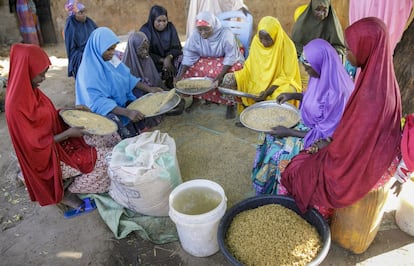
<point x="368" y="136"/>
<point x="407" y="143"/>
<point x="33" y="121"/>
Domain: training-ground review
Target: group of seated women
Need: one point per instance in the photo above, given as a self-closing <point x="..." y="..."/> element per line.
<point x="347" y="139"/>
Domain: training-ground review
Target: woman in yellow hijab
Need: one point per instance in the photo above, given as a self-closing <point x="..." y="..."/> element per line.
<point x="272" y="66"/>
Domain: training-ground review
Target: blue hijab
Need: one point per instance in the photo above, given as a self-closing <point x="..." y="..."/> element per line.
<point x="103" y="85"/>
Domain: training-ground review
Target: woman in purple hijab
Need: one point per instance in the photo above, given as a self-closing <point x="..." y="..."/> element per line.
<point x="137" y="58"/>
<point x="322" y="105"/>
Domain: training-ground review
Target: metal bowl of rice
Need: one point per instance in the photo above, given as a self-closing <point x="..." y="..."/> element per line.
<point x="194" y="85"/>
<point x="266" y="238"/>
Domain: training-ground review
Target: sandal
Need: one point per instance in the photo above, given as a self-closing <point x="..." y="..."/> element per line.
<point x="239" y="124"/>
<point x="231" y="112"/>
<point x="177" y="110"/>
<point x="87" y="206"/>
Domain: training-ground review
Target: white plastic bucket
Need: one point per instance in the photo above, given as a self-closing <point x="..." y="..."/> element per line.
<point x="405" y="210"/>
<point x="198" y="233"/>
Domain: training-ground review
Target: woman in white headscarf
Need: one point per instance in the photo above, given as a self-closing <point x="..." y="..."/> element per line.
<point x="211" y="51"/>
<point x="213" y="6"/>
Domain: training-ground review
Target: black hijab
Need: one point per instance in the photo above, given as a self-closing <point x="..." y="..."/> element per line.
<point x="162" y="43"/>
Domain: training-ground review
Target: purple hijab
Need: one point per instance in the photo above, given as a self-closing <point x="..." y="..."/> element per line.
<point x="143" y="68"/>
<point x="221" y="43"/>
<point x="73" y="6"/>
<point x="325" y="98"/>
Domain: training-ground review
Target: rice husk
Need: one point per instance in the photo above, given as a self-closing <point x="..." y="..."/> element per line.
<point x="272" y="235"/>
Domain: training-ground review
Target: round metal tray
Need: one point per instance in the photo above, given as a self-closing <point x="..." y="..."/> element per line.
<point x="171" y="104"/>
<point x="261" y="123"/>
<point x="93" y="123"/>
<point x="195" y="91"/>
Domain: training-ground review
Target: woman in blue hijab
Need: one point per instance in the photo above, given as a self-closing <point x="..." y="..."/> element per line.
<point x="78" y="27"/>
<point x="106" y="86"/>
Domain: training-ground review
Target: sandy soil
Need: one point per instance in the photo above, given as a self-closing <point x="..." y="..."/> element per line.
<point x="34" y="235"/>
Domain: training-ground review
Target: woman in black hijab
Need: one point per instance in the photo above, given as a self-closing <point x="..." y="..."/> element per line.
<point x="165" y="45"/>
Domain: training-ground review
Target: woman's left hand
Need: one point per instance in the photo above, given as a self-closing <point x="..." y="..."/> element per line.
<point x="82" y="108"/>
<point x="319" y="144"/>
<point x="322" y="143"/>
<point x="261" y="97"/>
<point x="168" y="66"/>
<point x="396" y="187"/>
<point x="156" y="89"/>
<point x="217" y="81"/>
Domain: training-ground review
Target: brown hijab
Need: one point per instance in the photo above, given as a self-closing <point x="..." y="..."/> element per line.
<point x="309" y="27"/>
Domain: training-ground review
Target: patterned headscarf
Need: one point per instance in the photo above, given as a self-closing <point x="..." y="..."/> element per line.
<point x="73" y="6"/>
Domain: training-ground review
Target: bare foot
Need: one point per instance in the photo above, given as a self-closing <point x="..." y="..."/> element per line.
<point x="71" y="200"/>
<point x="196" y="102"/>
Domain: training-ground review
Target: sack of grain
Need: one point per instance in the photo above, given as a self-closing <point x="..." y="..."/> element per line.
<point x="143" y="171"/>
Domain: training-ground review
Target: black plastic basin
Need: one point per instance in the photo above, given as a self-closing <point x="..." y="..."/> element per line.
<point x="312" y="216"/>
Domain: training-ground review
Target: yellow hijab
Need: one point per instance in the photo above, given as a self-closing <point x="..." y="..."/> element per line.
<point x="275" y="65"/>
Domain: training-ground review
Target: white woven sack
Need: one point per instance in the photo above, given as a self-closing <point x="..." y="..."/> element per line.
<point x="143" y="171"/>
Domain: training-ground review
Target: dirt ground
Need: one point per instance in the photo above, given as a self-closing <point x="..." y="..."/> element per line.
<point x="34" y="235"/>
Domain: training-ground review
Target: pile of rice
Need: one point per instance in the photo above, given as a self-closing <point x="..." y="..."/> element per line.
<point x="152" y="103"/>
<point x="196" y="84"/>
<point x="92" y="122"/>
<point x="265" y="118"/>
<point x="272" y="235"/>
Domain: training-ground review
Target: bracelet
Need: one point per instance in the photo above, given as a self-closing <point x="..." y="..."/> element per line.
<point x="171" y="56"/>
<point x="402" y="173"/>
<point x="400" y="179"/>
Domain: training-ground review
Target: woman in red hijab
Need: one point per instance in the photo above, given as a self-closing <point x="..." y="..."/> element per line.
<point x="366" y="142"/>
<point x="40" y="138"/>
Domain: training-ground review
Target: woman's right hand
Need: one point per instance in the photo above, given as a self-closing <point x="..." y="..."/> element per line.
<point x="281" y="132"/>
<point x="75" y="132"/>
<point x="135" y="115"/>
<point x="72" y="132"/>
<point x="176" y="79"/>
<point x="284" y="97"/>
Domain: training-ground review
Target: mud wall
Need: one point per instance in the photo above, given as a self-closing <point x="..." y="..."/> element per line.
<point x="9" y="31"/>
<point x="123" y="16"/>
